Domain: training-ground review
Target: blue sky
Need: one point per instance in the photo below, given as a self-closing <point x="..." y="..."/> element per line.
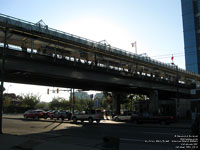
<point x="156" y="25"/>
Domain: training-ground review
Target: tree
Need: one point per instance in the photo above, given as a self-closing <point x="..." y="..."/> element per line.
<point x="42" y="105"/>
<point x="7" y="101"/>
<point x="59" y="103"/>
<point x="30" y="100"/>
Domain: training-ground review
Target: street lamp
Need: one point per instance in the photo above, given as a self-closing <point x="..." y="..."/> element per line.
<point x="8" y="88"/>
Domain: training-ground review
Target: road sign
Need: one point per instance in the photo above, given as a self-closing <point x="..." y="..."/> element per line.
<point x="96" y="103"/>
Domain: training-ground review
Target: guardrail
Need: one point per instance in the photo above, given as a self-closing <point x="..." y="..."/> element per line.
<point x="57" y="33"/>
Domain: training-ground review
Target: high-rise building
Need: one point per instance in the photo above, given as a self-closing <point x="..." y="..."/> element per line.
<point x="191" y="29"/>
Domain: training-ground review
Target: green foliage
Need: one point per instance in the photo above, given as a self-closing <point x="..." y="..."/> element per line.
<point x="81" y="104"/>
<point x="59" y="103"/>
<point x="128" y="104"/>
<point x="19" y="104"/>
<point x="30" y="100"/>
<point x="13" y="103"/>
<point x="7" y="101"/>
<point x="42" y="105"/>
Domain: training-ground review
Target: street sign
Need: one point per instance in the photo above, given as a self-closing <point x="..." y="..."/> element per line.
<point x="96" y="103"/>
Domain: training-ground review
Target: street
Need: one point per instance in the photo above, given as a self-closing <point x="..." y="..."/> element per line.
<point x="131" y="136"/>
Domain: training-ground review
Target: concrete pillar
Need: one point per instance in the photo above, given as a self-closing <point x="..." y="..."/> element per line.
<point x="2" y="76"/>
<point x="32" y="46"/>
<point x="116" y="103"/>
<point x="153" y="105"/>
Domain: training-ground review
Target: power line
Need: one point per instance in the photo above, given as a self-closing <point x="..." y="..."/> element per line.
<point x="166" y="55"/>
<point x="174" y="54"/>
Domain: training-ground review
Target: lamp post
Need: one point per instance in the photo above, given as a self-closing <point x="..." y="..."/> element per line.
<point x="8" y="88"/>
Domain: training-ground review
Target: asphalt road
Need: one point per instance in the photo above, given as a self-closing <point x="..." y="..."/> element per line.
<point x="131" y="136"/>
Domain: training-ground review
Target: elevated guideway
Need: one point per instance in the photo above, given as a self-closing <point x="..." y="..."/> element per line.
<point x="95" y="62"/>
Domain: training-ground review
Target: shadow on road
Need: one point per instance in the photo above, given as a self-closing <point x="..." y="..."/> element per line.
<point x="92" y="135"/>
<point x="50" y="124"/>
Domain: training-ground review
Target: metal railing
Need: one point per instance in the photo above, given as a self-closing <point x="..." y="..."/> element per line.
<point x="57" y="33"/>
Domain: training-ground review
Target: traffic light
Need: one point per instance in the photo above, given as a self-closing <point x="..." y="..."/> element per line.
<point x="57" y="90"/>
<point x="48" y="91"/>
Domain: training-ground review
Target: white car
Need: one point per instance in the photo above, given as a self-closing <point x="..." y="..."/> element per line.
<point x="89" y="115"/>
<point x="125" y="116"/>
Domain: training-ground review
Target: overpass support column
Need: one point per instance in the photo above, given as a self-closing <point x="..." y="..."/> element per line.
<point x="153" y="105"/>
<point x="32" y="46"/>
<point x="2" y="75"/>
<point x="116" y="103"/>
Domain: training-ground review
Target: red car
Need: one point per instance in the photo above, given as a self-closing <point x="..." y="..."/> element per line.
<point x="35" y="114"/>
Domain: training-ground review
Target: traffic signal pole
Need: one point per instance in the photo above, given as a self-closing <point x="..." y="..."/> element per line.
<point x="73" y="100"/>
<point x="2" y="79"/>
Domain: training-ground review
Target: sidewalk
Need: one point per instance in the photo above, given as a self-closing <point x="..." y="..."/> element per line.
<point x="12" y="142"/>
<point x="182" y="124"/>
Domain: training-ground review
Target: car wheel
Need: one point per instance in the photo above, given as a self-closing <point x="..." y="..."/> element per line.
<point x="74" y="120"/>
<point x="90" y="120"/>
<point x="116" y="119"/>
<point x="98" y="121"/>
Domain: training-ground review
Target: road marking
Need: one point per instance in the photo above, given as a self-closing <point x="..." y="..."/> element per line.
<point x="158" y="133"/>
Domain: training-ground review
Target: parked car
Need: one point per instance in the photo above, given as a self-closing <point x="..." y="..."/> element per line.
<point x="35" y="114"/>
<point x="149" y="118"/>
<point x="60" y="115"/>
<point x="89" y="115"/>
<point x="125" y="116"/>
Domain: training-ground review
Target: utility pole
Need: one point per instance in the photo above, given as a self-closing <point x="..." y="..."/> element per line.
<point x="73" y="99"/>
<point x="2" y="78"/>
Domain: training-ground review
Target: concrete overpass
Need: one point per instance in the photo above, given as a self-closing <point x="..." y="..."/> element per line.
<point x="33" y="53"/>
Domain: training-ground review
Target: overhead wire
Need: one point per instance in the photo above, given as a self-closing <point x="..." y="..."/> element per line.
<point x="173" y="54"/>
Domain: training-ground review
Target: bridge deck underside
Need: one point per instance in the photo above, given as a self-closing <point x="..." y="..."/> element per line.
<point x="44" y="70"/>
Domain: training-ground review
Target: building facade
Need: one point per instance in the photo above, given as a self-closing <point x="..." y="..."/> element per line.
<point x="191" y="29"/>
